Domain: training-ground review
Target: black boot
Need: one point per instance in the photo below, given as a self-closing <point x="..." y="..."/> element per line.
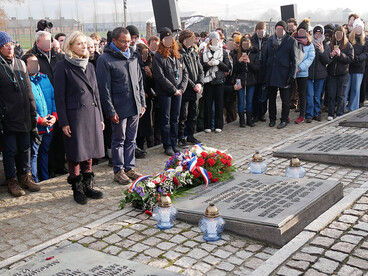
<point x="78" y="191"/>
<point x="250" y="120"/>
<point x="241" y="119"/>
<point x="88" y="181"/>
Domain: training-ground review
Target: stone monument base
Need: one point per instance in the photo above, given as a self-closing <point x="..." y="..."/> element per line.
<point x="266" y="208"/>
<point x="358" y="120"/>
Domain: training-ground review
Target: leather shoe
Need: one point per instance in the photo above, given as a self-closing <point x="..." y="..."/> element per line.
<point x="282" y="125"/>
<point x="272" y="124"/>
<point x="262" y="118"/>
<point x="176" y="148"/>
<point x="169" y="151"/>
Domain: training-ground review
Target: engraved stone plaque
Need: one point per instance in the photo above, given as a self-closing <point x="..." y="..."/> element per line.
<point x="357" y="120"/>
<point x="341" y="149"/>
<point x="267" y="208"/>
<point x="77" y="260"/>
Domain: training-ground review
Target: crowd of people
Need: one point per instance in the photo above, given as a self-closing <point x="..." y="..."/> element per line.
<point x="78" y="98"/>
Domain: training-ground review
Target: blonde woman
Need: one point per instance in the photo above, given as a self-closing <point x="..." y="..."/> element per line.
<point x="357" y="67"/>
<point x="80" y="115"/>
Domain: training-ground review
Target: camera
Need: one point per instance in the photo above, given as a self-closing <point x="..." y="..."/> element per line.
<point x="44" y="24"/>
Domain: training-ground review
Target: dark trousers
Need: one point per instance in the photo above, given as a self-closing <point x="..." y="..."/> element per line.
<point x="169" y="119"/>
<point x="285" y="98"/>
<point x="156" y="121"/>
<point x="363" y="88"/>
<point x="259" y="101"/>
<point x="123" y="143"/>
<point x="16" y="145"/>
<point x="75" y="168"/>
<point x="302" y="91"/>
<point x="336" y="94"/>
<point x="56" y="150"/>
<point x="213" y="93"/>
<point x="188" y="117"/>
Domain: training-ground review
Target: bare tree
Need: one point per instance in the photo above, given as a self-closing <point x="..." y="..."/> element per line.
<point x="3" y="15"/>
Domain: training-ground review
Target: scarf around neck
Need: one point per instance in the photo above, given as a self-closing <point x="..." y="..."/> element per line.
<point x="207" y="56"/>
<point x="79" y="62"/>
<point x="302" y="40"/>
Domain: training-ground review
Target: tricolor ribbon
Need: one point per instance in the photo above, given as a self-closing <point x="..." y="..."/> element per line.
<point x="135" y="183"/>
<point x="193" y="166"/>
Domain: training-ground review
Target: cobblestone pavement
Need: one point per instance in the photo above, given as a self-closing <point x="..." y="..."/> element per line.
<point x="340" y="248"/>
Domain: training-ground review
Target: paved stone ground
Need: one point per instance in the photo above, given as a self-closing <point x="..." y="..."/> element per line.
<point x="340" y="248"/>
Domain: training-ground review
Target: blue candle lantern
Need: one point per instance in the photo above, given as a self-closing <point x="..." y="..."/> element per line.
<point x="165" y="213"/>
<point x="257" y="165"/>
<point x="211" y="224"/>
<point x="295" y="170"/>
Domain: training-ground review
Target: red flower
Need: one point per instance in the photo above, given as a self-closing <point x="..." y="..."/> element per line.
<point x="223" y="161"/>
<point x="212" y="155"/>
<point x="229" y="157"/>
<point x="218" y="152"/>
<point x="221" y="172"/>
<point x="196" y="174"/>
<point x="213" y="180"/>
<point x="228" y="162"/>
<point x="148" y="212"/>
<point x="211" y="162"/>
<point x="204" y="154"/>
<point x="168" y="194"/>
<point x="209" y="174"/>
<point x="200" y="162"/>
<point x="176" y="181"/>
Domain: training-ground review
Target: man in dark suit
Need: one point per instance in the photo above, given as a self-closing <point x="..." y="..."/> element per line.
<point x="121" y="88"/>
<point x="280" y="65"/>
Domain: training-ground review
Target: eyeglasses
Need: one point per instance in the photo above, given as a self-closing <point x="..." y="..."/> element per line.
<point x="124" y="41"/>
<point x="9" y="45"/>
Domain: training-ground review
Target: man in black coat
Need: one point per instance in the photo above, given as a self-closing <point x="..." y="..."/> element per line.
<point x="280" y="65"/>
<point x="189" y="102"/>
<point x="17" y="118"/>
<point x="47" y="59"/>
<point x="121" y="88"/>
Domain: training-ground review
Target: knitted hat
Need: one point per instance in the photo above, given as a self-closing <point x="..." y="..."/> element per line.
<point x="5" y="38"/>
<point x="303" y="25"/>
<point x="358" y="22"/>
<point x="133" y="30"/>
<point x="165" y="31"/>
<point x="282" y="24"/>
<point x="318" y="28"/>
<point x="214" y="35"/>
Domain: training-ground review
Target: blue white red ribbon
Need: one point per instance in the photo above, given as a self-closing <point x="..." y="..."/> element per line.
<point x="135" y="183"/>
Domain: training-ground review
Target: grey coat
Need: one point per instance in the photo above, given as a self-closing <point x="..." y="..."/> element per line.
<point x="78" y="105"/>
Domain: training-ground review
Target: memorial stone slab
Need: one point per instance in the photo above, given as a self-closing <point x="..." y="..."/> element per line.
<point x="358" y="120"/>
<point x="273" y="209"/>
<point x="77" y="260"/>
<point x="341" y="149"/>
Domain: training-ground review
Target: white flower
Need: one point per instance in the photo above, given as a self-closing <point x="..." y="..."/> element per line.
<point x="151" y="185"/>
<point x="179" y="169"/>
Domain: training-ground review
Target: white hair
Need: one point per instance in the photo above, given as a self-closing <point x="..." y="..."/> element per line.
<point x="41" y="34"/>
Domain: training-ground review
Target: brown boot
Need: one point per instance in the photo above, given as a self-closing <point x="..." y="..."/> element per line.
<point x="27" y="182"/>
<point x="14" y="189"/>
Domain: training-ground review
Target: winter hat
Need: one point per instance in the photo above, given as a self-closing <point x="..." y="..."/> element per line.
<point x="133" y="30"/>
<point x="214" y="35"/>
<point x="282" y="24"/>
<point x="358" y="22"/>
<point x="318" y="28"/>
<point x="237" y="39"/>
<point x="303" y="25"/>
<point x="165" y="31"/>
<point x="5" y="38"/>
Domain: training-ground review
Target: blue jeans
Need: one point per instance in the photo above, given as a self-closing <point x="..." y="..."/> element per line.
<point x="123" y="143"/>
<point x="355" y="81"/>
<point x="40" y="158"/>
<point x="169" y="119"/>
<point x="314" y="94"/>
<point x="16" y="144"/>
<point x="249" y="98"/>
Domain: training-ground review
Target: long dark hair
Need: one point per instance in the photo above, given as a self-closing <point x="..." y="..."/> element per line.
<point x="344" y="41"/>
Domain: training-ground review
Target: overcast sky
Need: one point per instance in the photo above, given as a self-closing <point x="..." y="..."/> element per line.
<point x="232" y="9"/>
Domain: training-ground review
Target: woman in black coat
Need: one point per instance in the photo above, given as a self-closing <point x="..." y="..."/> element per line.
<point x="80" y="115"/>
<point x="342" y="55"/>
<point x="171" y="79"/>
<point x="246" y="67"/>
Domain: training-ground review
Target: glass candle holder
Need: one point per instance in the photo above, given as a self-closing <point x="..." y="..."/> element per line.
<point x="295" y="170"/>
<point x="257" y="165"/>
<point x="212" y="225"/>
<point x="165" y="214"/>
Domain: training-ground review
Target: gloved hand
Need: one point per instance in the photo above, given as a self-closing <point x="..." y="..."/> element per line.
<point x="213" y="62"/>
<point x="35" y="136"/>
